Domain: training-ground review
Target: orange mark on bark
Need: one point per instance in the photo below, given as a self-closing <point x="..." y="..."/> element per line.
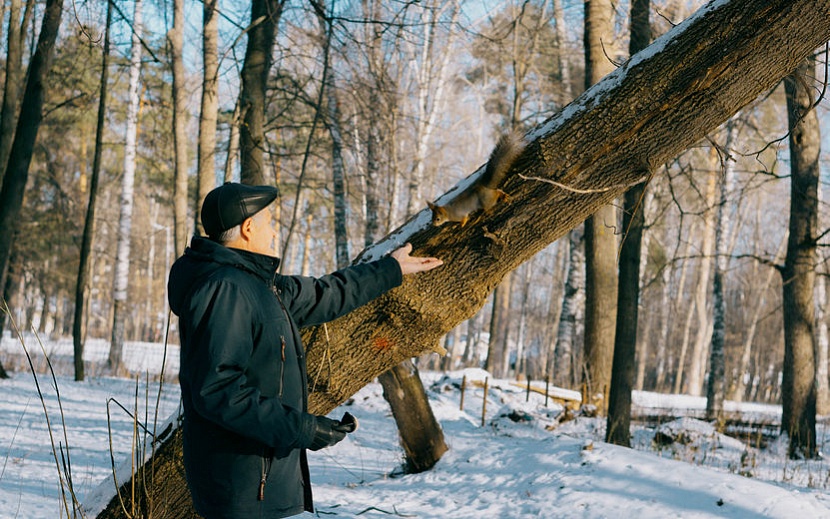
<point x="382" y="344"/>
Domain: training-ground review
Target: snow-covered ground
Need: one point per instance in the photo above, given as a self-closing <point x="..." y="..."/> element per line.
<point x="522" y="463"/>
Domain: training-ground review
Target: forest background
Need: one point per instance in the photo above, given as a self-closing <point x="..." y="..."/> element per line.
<point x="415" y="96"/>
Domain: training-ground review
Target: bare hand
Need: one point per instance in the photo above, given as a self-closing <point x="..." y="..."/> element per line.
<point x="411" y="264"/>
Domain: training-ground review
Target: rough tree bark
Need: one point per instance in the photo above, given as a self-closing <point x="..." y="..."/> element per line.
<point x="265" y="15"/>
<point x="659" y="103"/>
<point x="798" y="419"/>
<point x="600" y="230"/>
<point x="208" y="113"/>
<point x="617" y="430"/>
<point x="180" y="135"/>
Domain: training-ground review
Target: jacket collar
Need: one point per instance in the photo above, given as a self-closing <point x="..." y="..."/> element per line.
<point x="261" y="265"/>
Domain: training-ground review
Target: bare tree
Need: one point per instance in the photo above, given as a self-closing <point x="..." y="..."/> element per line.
<point x="697" y="365"/>
<point x="716" y="383"/>
<point x="125" y="222"/>
<point x="12" y="83"/>
<point x="600" y="230"/>
<point x="743" y="371"/>
<point x="180" y="137"/>
<point x="84" y="265"/>
<point x="265" y="16"/>
<point x="561" y="366"/>
<point x="798" y="418"/>
<point x="28" y="123"/>
<point x="208" y="114"/>
<point x="628" y="303"/>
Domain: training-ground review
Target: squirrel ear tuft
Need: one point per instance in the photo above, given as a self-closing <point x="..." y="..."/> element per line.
<point x="431" y="205"/>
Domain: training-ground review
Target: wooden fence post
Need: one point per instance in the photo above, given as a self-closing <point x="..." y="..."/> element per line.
<point x="484" y="403"/>
<point x="463" y="386"/>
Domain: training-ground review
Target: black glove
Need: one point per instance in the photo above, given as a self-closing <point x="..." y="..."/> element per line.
<point x="328" y="432"/>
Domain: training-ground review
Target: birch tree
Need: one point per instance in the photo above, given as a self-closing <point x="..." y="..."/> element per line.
<point x="562" y="369"/>
<point x="716" y="384"/>
<point x="122" y="259"/>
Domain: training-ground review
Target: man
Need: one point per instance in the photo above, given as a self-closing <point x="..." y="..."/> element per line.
<point x="243" y="375"/>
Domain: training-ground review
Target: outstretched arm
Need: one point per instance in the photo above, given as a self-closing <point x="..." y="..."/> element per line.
<point x="411" y="264"/>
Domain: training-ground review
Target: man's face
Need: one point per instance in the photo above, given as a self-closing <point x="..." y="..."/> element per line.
<point x="264" y="238"/>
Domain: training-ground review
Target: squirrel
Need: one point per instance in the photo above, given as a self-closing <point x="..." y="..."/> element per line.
<point x="483" y="193"/>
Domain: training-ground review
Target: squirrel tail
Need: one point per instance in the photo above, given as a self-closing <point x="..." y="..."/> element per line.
<point x="502" y="158"/>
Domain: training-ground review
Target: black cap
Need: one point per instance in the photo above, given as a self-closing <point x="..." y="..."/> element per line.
<point x="231" y="203"/>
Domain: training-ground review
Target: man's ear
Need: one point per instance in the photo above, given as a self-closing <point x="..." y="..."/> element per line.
<point x="245" y="228"/>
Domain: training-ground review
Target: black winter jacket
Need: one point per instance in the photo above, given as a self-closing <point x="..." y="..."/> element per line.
<point x="243" y="374"/>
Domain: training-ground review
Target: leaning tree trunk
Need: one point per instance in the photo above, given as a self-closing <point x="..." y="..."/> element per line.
<point x="684" y="85"/>
<point x="798" y="419"/>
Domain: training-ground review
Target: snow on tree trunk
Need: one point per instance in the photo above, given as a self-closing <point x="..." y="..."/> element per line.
<point x="687" y="83"/>
<point x="125" y="222"/>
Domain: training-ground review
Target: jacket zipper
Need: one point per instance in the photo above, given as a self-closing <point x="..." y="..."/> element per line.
<point x="276" y="292"/>
<point x="282" y="365"/>
<point x="266" y="468"/>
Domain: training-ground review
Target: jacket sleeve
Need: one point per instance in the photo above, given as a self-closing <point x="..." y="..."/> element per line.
<point x="221" y="348"/>
<point x="314" y="301"/>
